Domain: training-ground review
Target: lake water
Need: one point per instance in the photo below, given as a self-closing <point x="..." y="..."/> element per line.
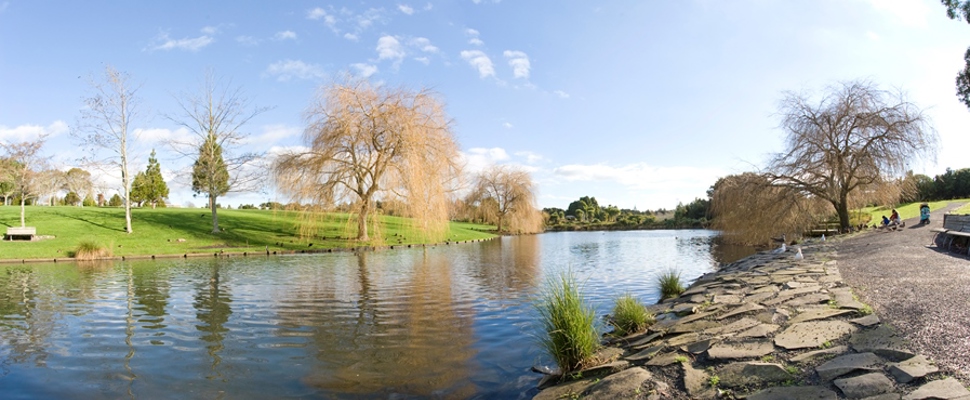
<point x="447" y="322"/>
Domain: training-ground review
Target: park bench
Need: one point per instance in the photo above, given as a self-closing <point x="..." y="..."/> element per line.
<point x="20" y="233"/>
<point x="955" y="226"/>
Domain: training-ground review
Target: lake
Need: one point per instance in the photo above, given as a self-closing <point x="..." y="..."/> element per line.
<point x="451" y="321"/>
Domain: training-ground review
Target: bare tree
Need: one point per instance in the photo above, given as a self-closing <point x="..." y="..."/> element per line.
<point x="78" y="181"/>
<point x="856" y="135"/>
<point x="105" y="126"/>
<point x="49" y="182"/>
<point x="26" y="160"/>
<point x="513" y="198"/>
<point x="749" y="210"/>
<point x="367" y="143"/>
<point x="216" y="116"/>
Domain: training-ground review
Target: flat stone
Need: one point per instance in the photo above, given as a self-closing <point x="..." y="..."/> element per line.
<point x="663" y="360"/>
<point x="624" y="384"/>
<point x="681" y="340"/>
<point x="786" y="295"/>
<point x="645" y="339"/>
<point x="667" y="324"/>
<point x="883" y="341"/>
<point x="695" y="326"/>
<point x="809" y="299"/>
<point x="866" y="385"/>
<point x="914" y="368"/>
<point x="685" y="308"/>
<point x="565" y="390"/>
<point x="812" y="354"/>
<point x="885" y="396"/>
<point x="696" y="382"/>
<point x="756" y="280"/>
<point x="758" y="297"/>
<point x="760" y="331"/>
<point x="727" y="299"/>
<point x="812" y="334"/>
<point x="751" y="373"/>
<point x="842" y="365"/>
<point x="736" y="326"/>
<point x="699" y="346"/>
<point x="742" y="309"/>
<point x="868" y="320"/>
<point x="948" y="388"/>
<point x="698" y="298"/>
<point x="795" y="392"/>
<point x="813" y="315"/>
<point x="765" y="289"/>
<point x="844" y="298"/>
<point x="645" y="353"/>
<point x="797" y="284"/>
<point x="736" y="350"/>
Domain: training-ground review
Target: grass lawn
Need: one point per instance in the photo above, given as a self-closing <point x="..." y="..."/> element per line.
<point x="963" y="210"/>
<point x="911" y="210"/>
<point x="159" y="231"/>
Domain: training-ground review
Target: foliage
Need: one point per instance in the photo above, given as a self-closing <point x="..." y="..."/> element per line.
<point x="90" y="250"/>
<point x="72" y="199"/>
<point x="695" y="210"/>
<point x="115" y="201"/>
<point x="855" y="138"/>
<point x="505" y="197"/>
<point x="669" y="284"/>
<point x="369" y="143"/>
<point x="24" y="161"/>
<point x="629" y="316"/>
<point x="78" y="181"/>
<point x="749" y="210"/>
<point x="584" y="209"/>
<point x="569" y="335"/>
<point x="150" y="186"/>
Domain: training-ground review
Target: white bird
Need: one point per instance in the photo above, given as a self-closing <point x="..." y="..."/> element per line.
<point x="799" y="256"/>
<point x="780" y="250"/>
<point x="823" y="237"/>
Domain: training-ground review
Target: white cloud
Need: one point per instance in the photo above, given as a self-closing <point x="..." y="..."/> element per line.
<point x="428" y="7"/>
<point x="210" y="30"/>
<point x="561" y="94"/>
<point x="351" y="37"/>
<point x="289" y="69"/>
<point x="424" y="45"/>
<point x="364" y="70"/>
<point x="189" y="44"/>
<point x="389" y="48"/>
<point x="162" y="135"/>
<point x="471" y="32"/>
<point x="476" y="159"/>
<point x="23" y="133"/>
<point x="316" y="13"/>
<point x="507" y="125"/>
<point x="480" y="61"/>
<point x="872" y="35"/>
<point x="247" y="40"/>
<point x="406" y="9"/>
<point x="908" y="12"/>
<point x="640" y="175"/>
<point x="423" y="60"/>
<point x="475" y="42"/>
<point x="529" y="156"/>
<point x="519" y="61"/>
<point x="284" y="35"/>
<point x="367" y="19"/>
<point x="473" y="37"/>
<point x="274" y="133"/>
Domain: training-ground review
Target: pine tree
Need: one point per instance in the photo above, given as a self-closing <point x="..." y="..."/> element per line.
<point x="149" y="186"/>
<point x="210" y="176"/>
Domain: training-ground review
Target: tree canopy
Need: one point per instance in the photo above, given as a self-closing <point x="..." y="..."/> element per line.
<point x="367" y="143"/>
<point x="507" y="195"/>
<point x="150" y="186"/>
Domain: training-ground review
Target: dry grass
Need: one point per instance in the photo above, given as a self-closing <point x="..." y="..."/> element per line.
<point x="90" y="250"/>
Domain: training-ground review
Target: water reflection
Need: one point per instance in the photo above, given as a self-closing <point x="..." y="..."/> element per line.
<point x="212" y="300"/>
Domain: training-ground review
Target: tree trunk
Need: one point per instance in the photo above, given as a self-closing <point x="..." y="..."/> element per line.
<point x="362" y="221"/>
<point x="842" y="208"/>
<point x="22" y="202"/>
<point x="215" y="216"/>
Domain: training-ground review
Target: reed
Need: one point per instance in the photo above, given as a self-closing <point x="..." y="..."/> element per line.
<point x="91" y="250"/>
<point x="569" y="335"/>
<point x="669" y="284"/>
<point x="630" y="316"/>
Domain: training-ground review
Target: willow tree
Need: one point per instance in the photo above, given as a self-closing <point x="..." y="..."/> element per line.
<point x="750" y="210"/>
<point x="512" y="195"/>
<point x="855" y="136"/>
<point x="216" y="116"/>
<point x="367" y="143"/>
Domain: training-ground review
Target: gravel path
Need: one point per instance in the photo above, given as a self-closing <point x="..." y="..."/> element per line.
<point x="922" y="291"/>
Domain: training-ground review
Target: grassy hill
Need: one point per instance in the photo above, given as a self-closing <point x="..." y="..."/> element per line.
<point x="187" y="230"/>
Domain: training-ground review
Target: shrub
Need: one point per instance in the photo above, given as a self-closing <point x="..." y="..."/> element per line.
<point x="570" y="336"/>
<point x="629" y="316"/>
<point x="90" y="250"/>
<point x="669" y="284"/>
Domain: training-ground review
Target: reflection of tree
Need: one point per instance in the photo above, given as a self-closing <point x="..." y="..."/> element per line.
<point x="388" y="336"/>
<point x="25" y="337"/>
<point x="212" y="300"/>
<point x="152" y="293"/>
<point x="509" y="264"/>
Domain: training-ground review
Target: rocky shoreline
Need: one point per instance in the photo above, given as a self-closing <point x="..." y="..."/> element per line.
<point x="769" y="326"/>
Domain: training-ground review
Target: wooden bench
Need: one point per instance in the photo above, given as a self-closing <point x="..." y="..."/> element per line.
<point x="21" y="233"/>
<point x="955" y="226"/>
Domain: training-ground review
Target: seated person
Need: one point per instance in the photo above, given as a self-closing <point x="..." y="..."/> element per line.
<point x="894" y="218"/>
<point x="885" y="221"/>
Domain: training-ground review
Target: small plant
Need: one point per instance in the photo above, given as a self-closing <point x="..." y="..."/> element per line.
<point x="826" y="344"/>
<point x="768" y="358"/>
<point x="714" y="380"/>
<point x="792" y="370"/>
<point x="629" y="316"/>
<point x="570" y="336"/>
<point x="833" y="303"/>
<point x="866" y="310"/>
<point x="669" y="284"/>
<point x="91" y="250"/>
<point x="680" y="359"/>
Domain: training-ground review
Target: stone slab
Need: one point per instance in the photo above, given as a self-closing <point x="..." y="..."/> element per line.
<point x="795" y="392"/>
<point x="868" y="320"/>
<point x="760" y="331"/>
<point x="565" y="390"/>
<point x="736" y="326"/>
<point x="699" y="346"/>
<point x="914" y="368"/>
<point x="812" y="334"/>
<point x="645" y="353"/>
<point x="786" y="295"/>
<point x="681" y="340"/>
<point x="948" y="388"/>
<point x="742" y="309"/>
<point x="808" y="299"/>
<point x="813" y="315"/>
<point x="844" y="298"/>
<point x="883" y="341"/>
<point x="645" y="339"/>
<point x="867" y="385"/>
<point x="622" y="385"/>
<point x="741" y="374"/>
<point x="695" y="326"/>
<point x="663" y="360"/>
<point x="727" y="299"/>
<point x="738" y="350"/>
<point x="812" y="354"/>
<point x="696" y="381"/>
<point x="845" y="364"/>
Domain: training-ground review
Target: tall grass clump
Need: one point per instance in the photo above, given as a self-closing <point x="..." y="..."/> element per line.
<point x="669" y="284"/>
<point x="629" y="316"/>
<point x="569" y="334"/>
<point x="91" y="250"/>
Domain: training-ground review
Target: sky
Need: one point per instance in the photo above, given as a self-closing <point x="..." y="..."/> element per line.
<point x="642" y="104"/>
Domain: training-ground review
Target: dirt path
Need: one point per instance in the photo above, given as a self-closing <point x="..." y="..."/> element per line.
<point x="922" y="291"/>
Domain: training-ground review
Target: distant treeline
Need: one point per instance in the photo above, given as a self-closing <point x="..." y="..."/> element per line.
<point x="587" y="214"/>
<point x="953" y="184"/>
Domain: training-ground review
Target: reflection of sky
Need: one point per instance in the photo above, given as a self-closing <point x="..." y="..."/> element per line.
<point x="288" y="313"/>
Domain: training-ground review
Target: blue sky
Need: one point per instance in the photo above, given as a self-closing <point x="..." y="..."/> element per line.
<point x="639" y="103"/>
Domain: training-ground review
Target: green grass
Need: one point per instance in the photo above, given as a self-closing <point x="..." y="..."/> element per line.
<point x="669" y="284"/>
<point x="906" y="211"/>
<point x="158" y="231"/>
<point x="962" y="210"/>
<point x="629" y="315"/>
<point x="569" y="333"/>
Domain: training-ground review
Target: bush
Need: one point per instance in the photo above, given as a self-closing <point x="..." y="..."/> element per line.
<point x="570" y="336"/>
<point x="90" y="250"/>
<point x="669" y="285"/>
<point x="629" y="316"/>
